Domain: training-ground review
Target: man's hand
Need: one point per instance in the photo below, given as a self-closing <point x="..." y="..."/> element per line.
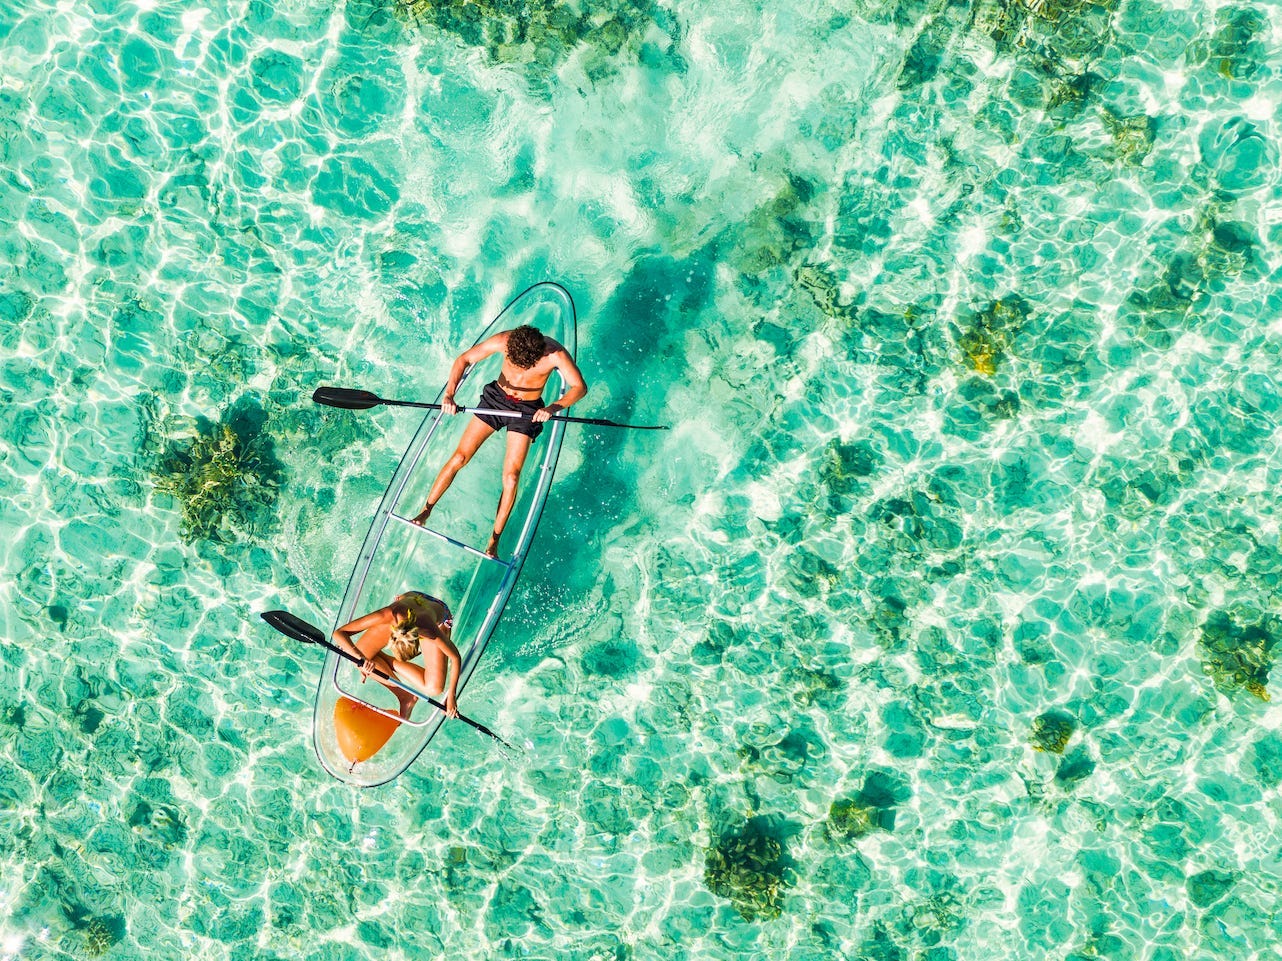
<point x="448" y="406"/>
<point x="543" y="413"/>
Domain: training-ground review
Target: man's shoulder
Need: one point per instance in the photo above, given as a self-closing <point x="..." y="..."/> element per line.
<point x="554" y="346"/>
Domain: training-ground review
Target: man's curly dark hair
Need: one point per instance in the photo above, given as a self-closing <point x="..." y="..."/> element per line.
<point x="525" y="346"/>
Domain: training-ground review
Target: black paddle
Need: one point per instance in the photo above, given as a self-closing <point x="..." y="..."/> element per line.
<point x="348" y="399"/>
<point x="300" y="630"/>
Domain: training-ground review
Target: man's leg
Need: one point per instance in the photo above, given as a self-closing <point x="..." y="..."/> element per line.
<point x="518" y="445"/>
<point x="473" y="437"/>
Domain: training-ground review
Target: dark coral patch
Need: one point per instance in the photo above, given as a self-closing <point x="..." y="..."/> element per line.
<point x="1238" y="651"/>
<point x="1053" y="730"/>
<point x="225" y="478"/>
<point x="748" y="865"/>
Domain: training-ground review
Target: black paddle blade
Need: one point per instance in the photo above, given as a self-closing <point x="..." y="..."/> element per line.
<point x="346" y="399"/>
<point x="294" y="627"/>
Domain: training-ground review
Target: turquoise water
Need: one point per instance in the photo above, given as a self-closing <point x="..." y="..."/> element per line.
<point x="938" y="627"/>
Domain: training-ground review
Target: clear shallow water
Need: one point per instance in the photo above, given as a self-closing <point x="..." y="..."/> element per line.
<point x="966" y="319"/>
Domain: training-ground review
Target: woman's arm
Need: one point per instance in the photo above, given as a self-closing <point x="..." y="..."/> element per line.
<point x="343" y="635"/>
<point x="456" y="662"/>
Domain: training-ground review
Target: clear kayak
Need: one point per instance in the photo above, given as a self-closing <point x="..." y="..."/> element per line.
<point x="358" y="734"/>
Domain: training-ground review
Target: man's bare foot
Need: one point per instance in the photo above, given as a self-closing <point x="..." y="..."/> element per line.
<point x="407" y="702"/>
<point x="421" y="518"/>
<point x="492" y="548"/>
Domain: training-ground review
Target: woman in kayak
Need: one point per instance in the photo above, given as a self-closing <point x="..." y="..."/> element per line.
<point x="414" y="623"/>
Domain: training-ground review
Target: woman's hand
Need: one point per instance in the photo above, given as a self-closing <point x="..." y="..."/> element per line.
<point x="367" y="668"/>
<point x="451" y="705"/>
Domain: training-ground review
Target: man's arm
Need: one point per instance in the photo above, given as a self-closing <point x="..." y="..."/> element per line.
<point x="473" y="355"/>
<point x="576" y="387"/>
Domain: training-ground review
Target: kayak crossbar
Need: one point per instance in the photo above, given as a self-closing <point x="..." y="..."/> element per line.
<point x="449" y="540"/>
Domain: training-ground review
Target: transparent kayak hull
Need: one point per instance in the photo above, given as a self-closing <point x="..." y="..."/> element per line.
<point x="445" y="559"/>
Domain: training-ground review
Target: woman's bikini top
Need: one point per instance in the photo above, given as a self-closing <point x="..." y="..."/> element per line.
<point x="448" y="619"/>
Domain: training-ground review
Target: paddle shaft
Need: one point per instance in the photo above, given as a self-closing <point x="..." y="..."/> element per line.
<point x="349" y="399"/>
<point x="517" y="415"/>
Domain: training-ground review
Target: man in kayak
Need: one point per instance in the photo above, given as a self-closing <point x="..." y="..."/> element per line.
<point x="415" y="623"/>
<point x="529" y="358"/>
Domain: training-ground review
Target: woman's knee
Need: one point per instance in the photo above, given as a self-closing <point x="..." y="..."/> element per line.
<point x="434" y="680"/>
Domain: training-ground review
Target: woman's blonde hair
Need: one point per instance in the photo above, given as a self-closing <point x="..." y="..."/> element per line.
<point x="404" y="640"/>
